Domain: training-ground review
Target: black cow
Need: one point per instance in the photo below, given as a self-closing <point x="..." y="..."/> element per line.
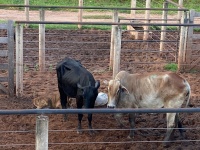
<point x="75" y="81"/>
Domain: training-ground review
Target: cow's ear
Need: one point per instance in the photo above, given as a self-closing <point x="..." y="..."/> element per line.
<point x="97" y="84"/>
<point x="124" y="89"/>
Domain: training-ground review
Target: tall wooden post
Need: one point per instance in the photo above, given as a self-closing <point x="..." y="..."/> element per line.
<point x="10" y="32"/>
<point x="163" y="28"/>
<point x="133" y="5"/>
<point x="80" y="14"/>
<point x="180" y="3"/>
<point x="188" y="41"/>
<point x="42" y="125"/>
<point x="42" y="42"/>
<point x="117" y="51"/>
<point x="19" y="60"/>
<point x="26" y="2"/>
<point x="182" y="45"/>
<point x="114" y="19"/>
<point x="147" y="15"/>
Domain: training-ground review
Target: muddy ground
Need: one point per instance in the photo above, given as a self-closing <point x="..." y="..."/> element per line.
<point x="20" y="129"/>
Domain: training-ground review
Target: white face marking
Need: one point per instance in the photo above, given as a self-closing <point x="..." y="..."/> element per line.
<point x="113" y="88"/>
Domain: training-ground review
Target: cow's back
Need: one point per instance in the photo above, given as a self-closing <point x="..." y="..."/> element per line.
<point x="153" y="89"/>
<point x="69" y="73"/>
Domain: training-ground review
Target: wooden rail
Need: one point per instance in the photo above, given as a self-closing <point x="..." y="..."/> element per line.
<point x="9" y="53"/>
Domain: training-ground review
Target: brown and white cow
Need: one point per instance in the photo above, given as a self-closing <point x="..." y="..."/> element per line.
<point x="149" y="90"/>
<point x="52" y="101"/>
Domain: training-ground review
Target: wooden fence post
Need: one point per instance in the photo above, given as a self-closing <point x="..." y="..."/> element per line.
<point x="117" y="50"/>
<point x="114" y="19"/>
<point x="42" y="125"/>
<point x="147" y="15"/>
<point x="180" y="3"/>
<point x="26" y="2"/>
<point x="10" y="32"/>
<point x="182" y="46"/>
<point x="163" y="28"/>
<point x="19" y="59"/>
<point x="80" y="14"/>
<point x="42" y="42"/>
<point x="133" y="5"/>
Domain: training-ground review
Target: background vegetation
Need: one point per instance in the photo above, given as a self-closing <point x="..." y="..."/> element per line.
<point x="190" y="4"/>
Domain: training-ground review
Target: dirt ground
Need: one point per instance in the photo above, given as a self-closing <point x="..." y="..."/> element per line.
<point x="19" y="130"/>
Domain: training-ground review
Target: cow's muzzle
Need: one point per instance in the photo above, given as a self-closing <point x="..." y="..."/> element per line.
<point x="110" y="106"/>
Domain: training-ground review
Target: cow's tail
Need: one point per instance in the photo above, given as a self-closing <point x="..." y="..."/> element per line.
<point x="188" y="93"/>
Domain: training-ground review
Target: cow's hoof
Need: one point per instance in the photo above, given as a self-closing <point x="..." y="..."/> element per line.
<point x="92" y="132"/>
<point x="166" y="144"/>
<point x="130" y="137"/>
<point x="79" y="131"/>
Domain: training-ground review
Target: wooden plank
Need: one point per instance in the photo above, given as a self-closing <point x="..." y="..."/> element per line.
<point x="182" y="48"/>
<point x="114" y="19"/>
<point x="117" y="51"/>
<point x="5" y="90"/>
<point x="189" y="38"/>
<point x="3" y="26"/>
<point x="19" y="59"/>
<point x="133" y="5"/>
<point x="3" y="53"/>
<point x="178" y="5"/>
<point x="163" y="28"/>
<point x="80" y="14"/>
<point x="3" y="79"/>
<point x="3" y="39"/>
<point x="3" y="66"/>
<point x="10" y="32"/>
<point x="42" y="41"/>
<point x="147" y="16"/>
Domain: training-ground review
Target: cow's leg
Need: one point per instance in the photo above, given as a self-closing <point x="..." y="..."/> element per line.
<point x="180" y="127"/>
<point x="79" y="103"/>
<point x="63" y="100"/>
<point x="91" y="131"/>
<point x="119" y="118"/>
<point x="170" y="128"/>
<point x="132" y="125"/>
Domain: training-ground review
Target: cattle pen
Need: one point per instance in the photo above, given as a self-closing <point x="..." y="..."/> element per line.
<point x="103" y="53"/>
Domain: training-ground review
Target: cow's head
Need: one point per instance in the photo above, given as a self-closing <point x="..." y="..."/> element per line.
<point x="89" y="94"/>
<point x="115" y="89"/>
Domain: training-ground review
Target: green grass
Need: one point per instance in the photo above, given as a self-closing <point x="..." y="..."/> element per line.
<point x="97" y="17"/>
<point x="171" y="67"/>
<point x="190" y="4"/>
<point x="74" y="27"/>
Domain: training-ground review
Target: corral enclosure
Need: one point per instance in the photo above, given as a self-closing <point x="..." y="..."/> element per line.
<point x="92" y="48"/>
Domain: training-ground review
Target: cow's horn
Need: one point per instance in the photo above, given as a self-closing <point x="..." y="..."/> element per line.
<point x="97" y="84"/>
<point x="79" y="86"/>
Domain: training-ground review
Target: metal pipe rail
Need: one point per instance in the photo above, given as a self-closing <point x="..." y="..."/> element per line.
<point x="102" y="110"/>
<point x="150" y="19"/>
<point x="106" y="23"/>
<point x="105" y="8"/>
